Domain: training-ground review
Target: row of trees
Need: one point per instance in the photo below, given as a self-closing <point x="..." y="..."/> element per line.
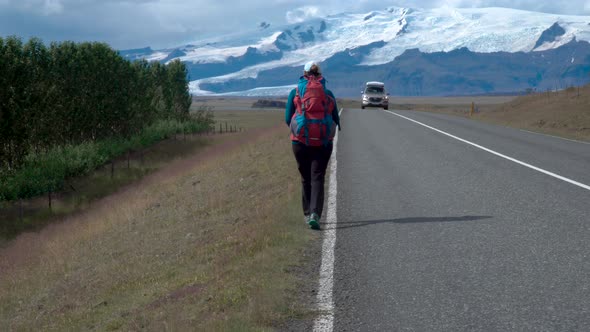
<point x="69" y="93"/>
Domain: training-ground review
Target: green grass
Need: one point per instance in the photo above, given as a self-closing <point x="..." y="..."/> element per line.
<point x="79" y="192"/>
<point x="47" y="171"/>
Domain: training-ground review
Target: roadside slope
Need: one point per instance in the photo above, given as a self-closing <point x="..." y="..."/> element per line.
<point x="208" y="243"/>
<point x="564" y="113"/>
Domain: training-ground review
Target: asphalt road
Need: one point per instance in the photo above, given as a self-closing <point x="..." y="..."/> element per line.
<point x="434" y="234"/>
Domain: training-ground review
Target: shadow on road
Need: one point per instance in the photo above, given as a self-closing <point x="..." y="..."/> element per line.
<point x="352" y="224"/>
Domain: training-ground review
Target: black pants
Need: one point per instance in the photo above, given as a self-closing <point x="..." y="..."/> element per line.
<point x="312" y="163"/>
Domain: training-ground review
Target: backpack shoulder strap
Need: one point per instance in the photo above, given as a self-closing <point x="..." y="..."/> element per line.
<point x="301" y="88"/>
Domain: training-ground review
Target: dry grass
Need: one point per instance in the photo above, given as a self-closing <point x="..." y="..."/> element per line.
<point x="564" y="113"/>
<point x="239" y="113"/>
<point x="250" y="119"/>
<point x="233" y="103"/>
<point x="208" y="248"/>
<point x="223" y="103"/>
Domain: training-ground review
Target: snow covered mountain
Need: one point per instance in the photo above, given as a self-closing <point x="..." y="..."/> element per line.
<point x="235" y="63"/>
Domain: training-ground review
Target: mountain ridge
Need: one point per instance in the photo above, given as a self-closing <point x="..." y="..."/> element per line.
<point x="377" y="39"/>
<point x="457" y="72"/>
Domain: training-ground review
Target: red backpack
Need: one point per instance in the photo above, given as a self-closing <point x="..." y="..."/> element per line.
<point x="312" y="124"/>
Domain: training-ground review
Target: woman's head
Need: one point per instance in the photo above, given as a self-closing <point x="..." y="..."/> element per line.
<point x="312" y="69"/>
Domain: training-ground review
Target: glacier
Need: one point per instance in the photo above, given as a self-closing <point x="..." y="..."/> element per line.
<point x="482" y="30"/>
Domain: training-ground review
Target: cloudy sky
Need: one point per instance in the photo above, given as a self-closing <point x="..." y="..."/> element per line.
<point x="128" y="24"/>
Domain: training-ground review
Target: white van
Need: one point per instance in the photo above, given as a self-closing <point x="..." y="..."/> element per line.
<point x="374" y="95"/>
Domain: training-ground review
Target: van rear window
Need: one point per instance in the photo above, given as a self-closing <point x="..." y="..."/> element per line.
<point x="374" y="89"/>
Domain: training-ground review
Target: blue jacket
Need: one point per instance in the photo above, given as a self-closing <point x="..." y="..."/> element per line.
<point x="290" y="109"/>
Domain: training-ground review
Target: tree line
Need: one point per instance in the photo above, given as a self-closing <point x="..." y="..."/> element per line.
<point x="67" y="94"/>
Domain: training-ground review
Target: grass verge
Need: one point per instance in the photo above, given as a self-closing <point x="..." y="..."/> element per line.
<point x="563" y="113"/>
<point x="47" y="171"/>
<point x="211" y="248"/>
<point x="80" y="192"/>
<point x="249" y="119"/>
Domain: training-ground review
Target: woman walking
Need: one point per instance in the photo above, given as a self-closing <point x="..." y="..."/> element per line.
<point x="312" y="116"/>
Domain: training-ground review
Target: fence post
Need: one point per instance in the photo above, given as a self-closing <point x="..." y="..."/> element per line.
<point x="226" y="126"/>
<point x="49" y="198"/>
<point x="128" y="153"/>
<point x="472" y="108"/>
<point x="21" y="212"/>
<point x="112" y="168"/>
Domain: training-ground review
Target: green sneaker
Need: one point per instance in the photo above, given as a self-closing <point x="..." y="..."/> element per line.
<point x="314" y="221"/>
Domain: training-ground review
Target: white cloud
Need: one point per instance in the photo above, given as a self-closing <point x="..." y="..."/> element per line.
<point x="168" y="23"/>
<point x="302" y="13"/>
<point x="52" y="7"/>
<point x="42" y="7"/>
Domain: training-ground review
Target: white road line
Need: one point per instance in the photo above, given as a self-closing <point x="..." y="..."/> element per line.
<point x="557" y="176"/>
<point x="325" y="320"/>
<point x="561" y="138"/>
